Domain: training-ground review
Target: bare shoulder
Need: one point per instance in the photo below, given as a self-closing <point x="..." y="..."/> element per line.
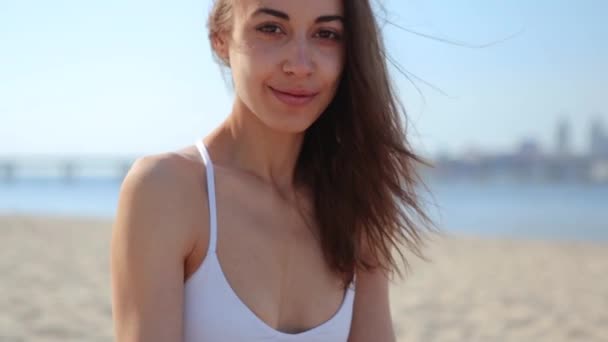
<point x="165" y="191"/>
<point x="175" y="170"/>
<point x="152" y="235"/>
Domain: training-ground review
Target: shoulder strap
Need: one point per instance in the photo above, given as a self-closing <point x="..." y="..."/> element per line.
<point x="210" y="193"/>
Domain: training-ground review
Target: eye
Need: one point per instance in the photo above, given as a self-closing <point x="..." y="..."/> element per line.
<point x="328" y="34"/>
<point x="270" y="29"/>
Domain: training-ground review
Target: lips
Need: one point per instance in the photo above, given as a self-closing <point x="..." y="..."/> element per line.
<point x="294" y="97"/>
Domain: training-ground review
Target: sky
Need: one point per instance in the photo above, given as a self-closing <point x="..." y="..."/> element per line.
<point x="136" y="77"/>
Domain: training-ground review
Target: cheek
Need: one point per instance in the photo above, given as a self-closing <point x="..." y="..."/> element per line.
<point x="255" y="52"/>
<point x="254" y="62"/>
<point x="248" y="72"/>
<point x="331" y="64"/>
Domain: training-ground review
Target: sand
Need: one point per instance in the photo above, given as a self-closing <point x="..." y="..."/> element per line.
<point x="54" y="286"/>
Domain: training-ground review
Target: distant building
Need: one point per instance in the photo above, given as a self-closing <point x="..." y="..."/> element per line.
<point x="599" y="139"/>
<point x="529" y="149"/>
<point x="563" y="137"/>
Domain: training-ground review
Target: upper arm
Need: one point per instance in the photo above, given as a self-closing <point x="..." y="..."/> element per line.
<point x="148" y="248"/>
<point x="371" y="313"/>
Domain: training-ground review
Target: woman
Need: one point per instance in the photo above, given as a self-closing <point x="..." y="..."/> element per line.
<point x="281" y="224"/>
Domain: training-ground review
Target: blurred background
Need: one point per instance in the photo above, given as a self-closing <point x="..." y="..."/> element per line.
<point x="506" y="98"/>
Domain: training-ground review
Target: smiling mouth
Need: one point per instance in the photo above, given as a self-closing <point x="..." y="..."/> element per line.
<point x="294" y="98"/>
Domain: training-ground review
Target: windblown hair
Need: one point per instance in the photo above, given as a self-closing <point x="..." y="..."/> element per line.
<point x="356" y="158"/>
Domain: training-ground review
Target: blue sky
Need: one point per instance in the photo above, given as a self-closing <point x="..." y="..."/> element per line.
<point x="136" y="77"/>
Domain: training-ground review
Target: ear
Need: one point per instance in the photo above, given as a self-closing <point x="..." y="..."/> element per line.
<point x="220" y="46"/>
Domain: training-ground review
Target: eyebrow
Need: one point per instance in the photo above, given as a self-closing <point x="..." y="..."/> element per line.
<point x="285" y="16"/>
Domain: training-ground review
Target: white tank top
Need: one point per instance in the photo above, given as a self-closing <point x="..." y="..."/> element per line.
<point x="214" y="313"/>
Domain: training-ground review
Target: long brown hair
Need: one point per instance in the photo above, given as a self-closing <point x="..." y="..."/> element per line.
<point x="356" y="158"/>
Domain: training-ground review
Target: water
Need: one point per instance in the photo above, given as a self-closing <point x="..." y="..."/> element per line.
<point x="93" y="197"/>
<point x="546" y="211"/>
<point x="568" y="211"/>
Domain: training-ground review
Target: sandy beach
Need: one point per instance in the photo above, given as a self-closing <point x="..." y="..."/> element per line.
<point x="54" y="283"/>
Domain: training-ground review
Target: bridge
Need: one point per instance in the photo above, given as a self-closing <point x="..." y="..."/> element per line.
<point x="68" y="170"/>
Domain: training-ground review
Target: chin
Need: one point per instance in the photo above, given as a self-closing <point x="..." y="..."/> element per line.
<point x="294" y="124"/>
<point x="290" y="127"/>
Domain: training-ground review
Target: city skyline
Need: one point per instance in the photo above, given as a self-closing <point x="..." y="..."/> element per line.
<point x="531" y="161"/>
<point x="595" y="141"/>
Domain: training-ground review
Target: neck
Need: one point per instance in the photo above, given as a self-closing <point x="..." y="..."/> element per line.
<point x="252" y="146"/>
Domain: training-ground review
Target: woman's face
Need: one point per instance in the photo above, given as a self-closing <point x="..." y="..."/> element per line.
<point x="286" y="58"/>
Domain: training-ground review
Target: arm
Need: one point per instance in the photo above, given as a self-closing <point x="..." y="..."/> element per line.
<point x="371" y="313"/>
<point x="148" y="248"/>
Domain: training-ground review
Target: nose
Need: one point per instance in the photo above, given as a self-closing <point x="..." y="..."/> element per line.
<point x="299" y="61"/>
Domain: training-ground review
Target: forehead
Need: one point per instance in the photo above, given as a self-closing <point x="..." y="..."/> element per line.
<point x="298" y="10"/>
